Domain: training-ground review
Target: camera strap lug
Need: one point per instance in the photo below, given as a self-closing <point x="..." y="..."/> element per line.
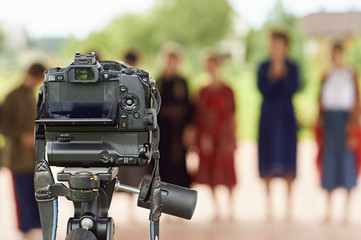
<point x="150" y="118"/>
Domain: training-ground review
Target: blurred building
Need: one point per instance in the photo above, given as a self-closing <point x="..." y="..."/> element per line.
<point x="14" y="37"/>
<point x="17" y="49"/>
<point x="14" y="41"/>
<point x="333" y="25"/>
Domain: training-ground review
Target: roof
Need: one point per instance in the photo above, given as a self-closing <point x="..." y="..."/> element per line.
<point x="336" y="25"/>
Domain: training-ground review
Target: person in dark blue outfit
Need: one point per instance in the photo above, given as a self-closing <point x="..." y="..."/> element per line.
<point x="278" y="82"/>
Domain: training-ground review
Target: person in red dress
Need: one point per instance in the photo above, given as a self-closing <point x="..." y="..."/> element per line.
<point x="216" y="138"/>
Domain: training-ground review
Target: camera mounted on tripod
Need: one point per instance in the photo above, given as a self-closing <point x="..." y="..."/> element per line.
<point x="93" y="117"/>
<point x="98" y="114"/>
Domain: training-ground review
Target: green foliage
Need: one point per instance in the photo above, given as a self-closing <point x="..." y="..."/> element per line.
<point x="1" y="38"/>
<point x="49" y="44"/>
<point x="191" y="23"/>
<point x="256" y="46"/>
<point x="128" y="31"/>
<point x="247" y="97"/>
<point x="354" y="53"/>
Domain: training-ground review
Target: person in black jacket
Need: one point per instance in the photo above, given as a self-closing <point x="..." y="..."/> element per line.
<point x="174" y="120"/>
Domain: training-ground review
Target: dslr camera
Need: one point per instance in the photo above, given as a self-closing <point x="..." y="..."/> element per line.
<point x="93" y="117"/>
<point x="97" y="114"/>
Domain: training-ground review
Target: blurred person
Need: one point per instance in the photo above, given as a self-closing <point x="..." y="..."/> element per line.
<point x="174" y="119"/>
<point x="216" y="134"/>
<point x="131" y="58"/>
<point x="338" y="121"/>
<point x="277" y="143"/>
<point x="19" y="112"/>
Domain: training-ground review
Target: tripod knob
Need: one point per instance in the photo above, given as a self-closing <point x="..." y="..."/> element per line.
<point x="84" y="180"/>
<point x="86" y="223"/>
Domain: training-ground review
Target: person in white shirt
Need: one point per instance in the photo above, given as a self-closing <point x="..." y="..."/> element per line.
<point x="339" y="109"/>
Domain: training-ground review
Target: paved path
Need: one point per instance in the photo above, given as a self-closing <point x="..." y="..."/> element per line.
<point x="250" y="224"/>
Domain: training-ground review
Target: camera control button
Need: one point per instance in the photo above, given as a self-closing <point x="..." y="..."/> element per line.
<point x="123" y="116"/>
<point x="130" y="102"/>
<point x="124" y="124"/>
<point x="136" y="115"/>
<point x="123" y="89"/>
<point x="119" y="160"/>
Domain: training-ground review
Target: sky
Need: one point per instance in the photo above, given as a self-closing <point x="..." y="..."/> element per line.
<point x="47" y="18"/>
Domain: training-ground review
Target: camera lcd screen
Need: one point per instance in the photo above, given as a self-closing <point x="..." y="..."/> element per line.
<point x="84" y="74"/>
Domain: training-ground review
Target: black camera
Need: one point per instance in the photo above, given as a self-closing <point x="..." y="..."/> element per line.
<point x="91" y="118"/>
<point x="99" y="111"/>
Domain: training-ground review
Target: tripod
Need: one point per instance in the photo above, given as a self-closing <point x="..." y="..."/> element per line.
<point x="91" y="191"/>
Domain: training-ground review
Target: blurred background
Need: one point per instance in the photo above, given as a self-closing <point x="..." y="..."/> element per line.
<point x="51" y="33"/>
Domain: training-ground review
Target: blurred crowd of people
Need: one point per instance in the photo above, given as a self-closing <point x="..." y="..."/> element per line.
<point x="207" y="125"/>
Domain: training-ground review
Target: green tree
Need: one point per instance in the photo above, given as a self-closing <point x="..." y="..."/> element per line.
<point x="354" y="53"/>
<point x="200" y="23"/>
<point x="194" y="24"/>
<point x="1" y="38"/>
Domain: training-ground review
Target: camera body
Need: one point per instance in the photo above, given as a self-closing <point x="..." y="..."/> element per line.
<point x="97" y="114"/>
